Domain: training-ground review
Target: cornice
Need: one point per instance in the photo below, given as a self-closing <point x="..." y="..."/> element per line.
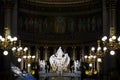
<point x="57" y="43"/>
<point x="59" y="39"/>
<point x="59" y="2"/>
<point x="41" y="3"/>
<point x="95" y="6"/>
<point x="26" y="11"/>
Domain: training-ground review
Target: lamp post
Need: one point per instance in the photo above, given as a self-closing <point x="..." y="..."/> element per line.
<point x="7" y="41"/>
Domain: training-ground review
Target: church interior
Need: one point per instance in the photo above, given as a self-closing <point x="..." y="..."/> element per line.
<point x="59" y="39"/>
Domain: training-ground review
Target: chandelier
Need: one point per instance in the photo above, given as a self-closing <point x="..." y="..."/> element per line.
<point x="112" y="43"/>
<point x="19" y="51"/>
<point x="7" y="41"/>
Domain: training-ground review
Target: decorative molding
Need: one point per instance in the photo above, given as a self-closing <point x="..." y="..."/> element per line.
<point x="59" y="1"/>
<point x="46" y="4"/>
<point x="60" y="13"/>
<point x="64" y="40"/>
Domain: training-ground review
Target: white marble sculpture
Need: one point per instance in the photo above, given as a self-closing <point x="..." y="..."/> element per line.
<point x="77" y="64"/>
<point x="42" y="65"/>
<point x="59" y="61"/>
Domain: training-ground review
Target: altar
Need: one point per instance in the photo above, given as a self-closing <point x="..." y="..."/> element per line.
<point x="59" y="67"/>
<point x="63" y="76"/>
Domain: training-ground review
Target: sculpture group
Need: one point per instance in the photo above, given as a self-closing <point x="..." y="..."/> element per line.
<point x="59" y="61"/>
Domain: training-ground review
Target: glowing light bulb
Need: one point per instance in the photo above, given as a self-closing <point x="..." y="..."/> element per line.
<point x="29" y="65"/>
<point x="85" y="56"/>
<point x="90" y="64"/>
<point x="14" y="48"/>
<point x="99" y="60"/>
<point x="19" y="59"/>
<point x="112" y="52"/>
<point x="119" y="38"/>
<point x="113" y="37"/>
<point x="5" y="53"/>
<point x="93" y="48"/>
<point x="104" y="38"/>
<point x="99" y="48"/>
<point x="105" y="48"/>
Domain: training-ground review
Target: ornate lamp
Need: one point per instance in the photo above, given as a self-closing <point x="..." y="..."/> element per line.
<point x="7" y="41"/>
<point x="99" y="52"/>
<point x="91" y="59"/>
<point x="19" y="51"/>
<point x="112" y="43"/>
<point x="94" y="58"/>
<point x="28" y="60"/>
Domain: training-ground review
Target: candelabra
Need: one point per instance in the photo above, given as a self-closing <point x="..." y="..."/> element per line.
<point x="112" y="43"/>
<point x="7" y="41"/>
<point x="91" y="68"/>
<point x="99" y="52"/>
<point x="19" y="51"/>
<point x="28" y="59"/>
<point x="91" y="72"/>
<point x="95" y="58"/>
<point x="90" y="59"/>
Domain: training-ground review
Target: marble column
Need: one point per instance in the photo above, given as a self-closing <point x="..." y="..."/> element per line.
<point x="7" y="23"/>
<point x="112" y="15"/>
<point x="46" y="52"/>
<point x="14" y="19"/>
<point x="105" y="18"/>
<point x="82" y="54"/>
<point x="74" y="53"/>
<point x="111" y="11"/>
<point x="8" y="17"/>
<point x="112" y="22"/>
<point x="37" y="54"/>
